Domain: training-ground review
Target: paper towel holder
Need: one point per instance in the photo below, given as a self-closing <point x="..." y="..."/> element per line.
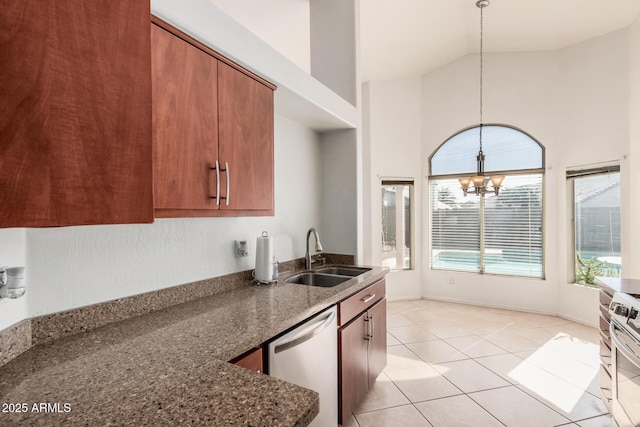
<point x="265" y="261"/>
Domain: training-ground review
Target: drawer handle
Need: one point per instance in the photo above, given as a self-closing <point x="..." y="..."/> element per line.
<point x="368" y="298"/>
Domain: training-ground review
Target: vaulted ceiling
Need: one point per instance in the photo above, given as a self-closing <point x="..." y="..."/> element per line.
<point x="404" y="38"/>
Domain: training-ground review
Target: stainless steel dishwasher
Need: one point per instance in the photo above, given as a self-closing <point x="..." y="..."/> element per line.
<point x="308" y="356"/>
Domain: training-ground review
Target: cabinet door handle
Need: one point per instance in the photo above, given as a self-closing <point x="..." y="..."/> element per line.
<point x="368" y="298"/>
<point x="226" y="171"/>
<point x="373" y="325"/>
<point x="217" y="196"/>
<point x="367" y="335"/>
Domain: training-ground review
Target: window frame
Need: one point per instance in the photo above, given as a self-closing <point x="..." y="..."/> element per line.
<point x="410" y="182"/>
<point x="507" y="173"/>
<point x="497" y="172"/>
<point x="572" y="174"/>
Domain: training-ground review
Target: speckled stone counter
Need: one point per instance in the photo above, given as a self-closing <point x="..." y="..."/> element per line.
<point x="169" y="367"/>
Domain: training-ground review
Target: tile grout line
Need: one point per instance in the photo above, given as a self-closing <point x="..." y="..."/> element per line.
<point x="507" y="352"/>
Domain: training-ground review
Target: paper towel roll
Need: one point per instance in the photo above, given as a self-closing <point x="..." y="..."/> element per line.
<point x="264" y="258"/>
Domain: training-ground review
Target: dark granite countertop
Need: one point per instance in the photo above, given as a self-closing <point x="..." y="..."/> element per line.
<point x="169" y="367"/>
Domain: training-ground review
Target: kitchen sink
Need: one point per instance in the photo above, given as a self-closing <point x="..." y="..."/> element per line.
<point x="344" y="271"/>
<point x="317" y="279"/>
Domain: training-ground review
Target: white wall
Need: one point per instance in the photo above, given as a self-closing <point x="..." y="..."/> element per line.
<point x="631" y="180"/>
<point x="339" y="156"/>
<point x="70" y="267"/>
<point x="575" y="101"/>
<point x="284" y="25"/>
<point x="593" y="127"/>
<point x="393" y="150"/>
<point x="333" y="36"/>
<point x="450" y="97"/>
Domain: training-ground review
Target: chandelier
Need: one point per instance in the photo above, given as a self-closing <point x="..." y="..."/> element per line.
<point x="480" y="182"/>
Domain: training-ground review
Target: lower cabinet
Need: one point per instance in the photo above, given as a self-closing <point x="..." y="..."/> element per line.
<point x="362" y="346"/>
<point x="353" y="368"/>
<point x="251" y="360"/>
<point x="377" y="351"/>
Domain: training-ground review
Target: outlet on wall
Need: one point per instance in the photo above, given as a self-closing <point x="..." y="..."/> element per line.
<point x="241" y="248"/>
<point x="450" y="280"/>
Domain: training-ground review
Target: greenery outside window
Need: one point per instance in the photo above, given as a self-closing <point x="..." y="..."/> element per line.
<point x="496" y="234"/>
<point x="397" y="226"/>
<point x="595" y="196"/>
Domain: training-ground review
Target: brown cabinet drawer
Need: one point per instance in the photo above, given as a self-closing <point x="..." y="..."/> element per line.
<point x="359" y="302"/>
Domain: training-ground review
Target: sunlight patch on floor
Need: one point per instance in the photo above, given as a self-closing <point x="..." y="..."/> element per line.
<point x="552" y="375"/>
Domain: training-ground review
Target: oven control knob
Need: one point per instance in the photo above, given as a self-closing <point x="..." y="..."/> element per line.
<point x="621" y="310"/>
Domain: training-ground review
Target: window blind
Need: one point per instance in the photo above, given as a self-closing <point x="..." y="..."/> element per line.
<point x="510" y="223"/>
<point x="455" y="227"/>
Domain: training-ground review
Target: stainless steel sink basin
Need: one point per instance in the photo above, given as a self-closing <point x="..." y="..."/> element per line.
<point x="317" y="279"/>
<point x="344" y="271"/>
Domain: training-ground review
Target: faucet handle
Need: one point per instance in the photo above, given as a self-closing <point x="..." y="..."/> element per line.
<point x="318" y="259"/>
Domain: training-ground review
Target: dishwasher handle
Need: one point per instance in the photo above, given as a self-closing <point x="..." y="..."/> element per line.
<point x="322" y="324"/>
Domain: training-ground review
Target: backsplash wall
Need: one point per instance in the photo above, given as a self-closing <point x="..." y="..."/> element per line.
<point x="70" y="267"/>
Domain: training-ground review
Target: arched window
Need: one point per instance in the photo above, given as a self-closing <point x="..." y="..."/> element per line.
<point x="488" y="233"/>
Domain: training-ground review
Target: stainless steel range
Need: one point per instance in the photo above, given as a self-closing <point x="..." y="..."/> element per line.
<point x="625" y="352"/>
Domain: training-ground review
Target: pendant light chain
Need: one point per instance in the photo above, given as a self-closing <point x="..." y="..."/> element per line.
<point x="481" y="6"/>
<point x="479" y="180"/>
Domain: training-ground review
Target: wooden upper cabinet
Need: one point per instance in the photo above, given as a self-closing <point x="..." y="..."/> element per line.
<point x="212" y="131"/>
<point x="185" y="125"/>
<point x="246" y="139"/>
<point x="75" y="113"/>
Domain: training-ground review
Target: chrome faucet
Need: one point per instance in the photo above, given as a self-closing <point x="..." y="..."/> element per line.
<point x="307" y="257"/>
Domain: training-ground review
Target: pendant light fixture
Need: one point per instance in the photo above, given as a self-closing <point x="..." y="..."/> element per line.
<point x="479" y="181"/>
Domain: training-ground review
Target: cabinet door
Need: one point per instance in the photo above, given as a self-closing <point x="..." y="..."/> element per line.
<point x="250" y="360"/>
<point x="185" y="123"/>
<point x="75" y="113"/>
<point x="246" y="140"/>
<point x="353" y="368"/>
<point x="378" y="342"/>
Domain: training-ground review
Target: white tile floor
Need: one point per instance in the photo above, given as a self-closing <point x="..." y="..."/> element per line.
<point x="454" y="365"/>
